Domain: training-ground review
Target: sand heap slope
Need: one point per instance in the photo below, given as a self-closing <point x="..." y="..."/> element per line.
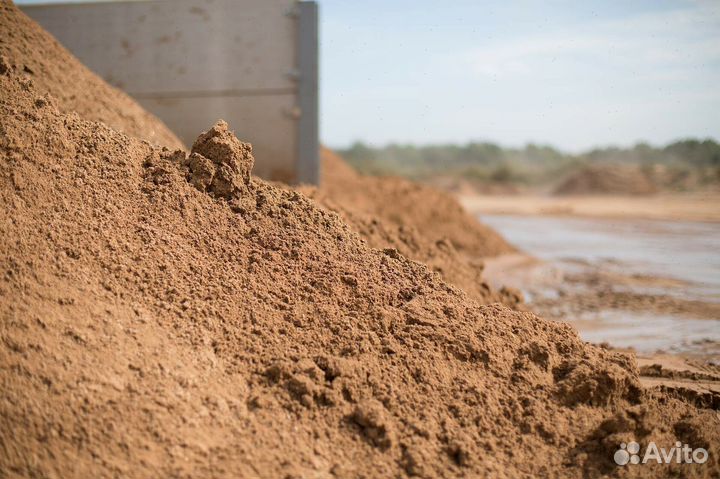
<point x="404" y="203"/>
<point x="607" y="179"/>
<point x="165" y="314"/>
<point x="434" y="230"/>
<point x="35" y="52"/>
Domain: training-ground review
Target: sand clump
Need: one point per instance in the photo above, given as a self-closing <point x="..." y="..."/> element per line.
<point x="607" y="179"/>
<point x="28" y="48"/>
<point x="166" y="314"/>
<point x="436" y="231"/>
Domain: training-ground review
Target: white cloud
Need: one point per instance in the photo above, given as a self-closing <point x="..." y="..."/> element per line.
<point x="658" y="40"/>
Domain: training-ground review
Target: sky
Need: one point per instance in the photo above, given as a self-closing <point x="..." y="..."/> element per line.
<point x="570" y="74"/>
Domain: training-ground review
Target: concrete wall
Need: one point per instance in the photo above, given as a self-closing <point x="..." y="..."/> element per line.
<point x="191" y="62"/>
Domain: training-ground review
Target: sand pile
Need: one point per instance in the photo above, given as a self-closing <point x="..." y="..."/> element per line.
<point x="404" y="203"/>
<point x="431" y="231"/>
<point x="166" y="314"/>
<point x="29" y="48"/>
<point x="35" y="53"/>
<point x="607" y="179"/>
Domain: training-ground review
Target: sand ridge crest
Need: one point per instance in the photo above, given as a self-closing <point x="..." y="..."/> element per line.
<point x="436" y="231"/>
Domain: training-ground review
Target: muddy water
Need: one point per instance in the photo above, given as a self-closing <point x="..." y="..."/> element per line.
<point x="682" y="258"/>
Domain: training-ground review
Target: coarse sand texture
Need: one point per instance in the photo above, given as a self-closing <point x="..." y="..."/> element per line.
<point x="422" y="223"/>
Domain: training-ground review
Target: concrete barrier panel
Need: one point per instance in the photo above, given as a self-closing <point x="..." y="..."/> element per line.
<point x="191" y="62"/>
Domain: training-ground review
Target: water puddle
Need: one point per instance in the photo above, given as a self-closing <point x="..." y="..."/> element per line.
<point x="643" y="284"/>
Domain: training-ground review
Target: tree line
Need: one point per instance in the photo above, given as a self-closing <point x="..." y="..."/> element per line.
<point x="531" y="164"/>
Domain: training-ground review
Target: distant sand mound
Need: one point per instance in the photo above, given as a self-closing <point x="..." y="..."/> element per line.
<point x="607" y="179"/>
<point x="402" y="202"/>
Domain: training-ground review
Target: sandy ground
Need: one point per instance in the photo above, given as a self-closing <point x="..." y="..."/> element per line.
<point x="564" y="297"/>
<point x="556" y="295"/>
<point x="575" y="290"/>
<point x="671" y="206"/>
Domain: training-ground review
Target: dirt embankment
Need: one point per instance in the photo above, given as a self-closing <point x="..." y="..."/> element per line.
<point x="421" y="223"/>
<point x="35" y="53"/>
<point x="165" y="313"/>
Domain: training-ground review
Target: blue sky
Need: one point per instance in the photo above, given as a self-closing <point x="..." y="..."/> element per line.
<point x="573" y="74"/>
<point x="566" y="73"/>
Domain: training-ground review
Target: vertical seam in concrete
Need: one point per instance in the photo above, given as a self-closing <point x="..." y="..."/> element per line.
<point x="308" y="159"/>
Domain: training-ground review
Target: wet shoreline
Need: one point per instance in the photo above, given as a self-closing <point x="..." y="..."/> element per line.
<point x="649" y="285"/>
